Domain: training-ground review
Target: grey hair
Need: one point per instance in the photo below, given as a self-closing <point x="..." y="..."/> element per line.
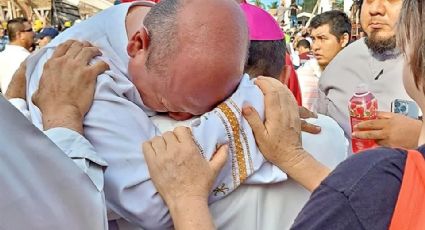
<point x="161" y="25"/>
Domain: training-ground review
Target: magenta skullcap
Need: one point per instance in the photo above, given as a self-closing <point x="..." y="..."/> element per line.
<point x="262" y="26"/>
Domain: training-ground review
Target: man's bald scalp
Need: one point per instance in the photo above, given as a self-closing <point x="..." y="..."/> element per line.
<point x="163" y="25"/>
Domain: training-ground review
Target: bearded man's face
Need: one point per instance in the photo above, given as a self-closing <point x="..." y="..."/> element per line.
<point x="378" y="19"/>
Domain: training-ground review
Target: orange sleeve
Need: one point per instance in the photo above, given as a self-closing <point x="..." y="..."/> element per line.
<point x="409" y="212"/>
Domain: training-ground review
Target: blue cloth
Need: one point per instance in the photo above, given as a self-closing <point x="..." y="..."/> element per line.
<point x="360" y="193"/>
<point x="3" y="41"/>
<point x="293" y="21"/>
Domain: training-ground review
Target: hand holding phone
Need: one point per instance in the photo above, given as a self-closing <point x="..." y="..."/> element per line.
<point x="405" y="107"/>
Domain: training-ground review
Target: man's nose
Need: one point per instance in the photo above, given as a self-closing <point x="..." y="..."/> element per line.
<point x="315" y="47"/>
<point x="377" y="7"/>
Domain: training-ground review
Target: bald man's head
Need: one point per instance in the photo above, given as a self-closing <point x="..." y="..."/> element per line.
<point x="195" y="56"/>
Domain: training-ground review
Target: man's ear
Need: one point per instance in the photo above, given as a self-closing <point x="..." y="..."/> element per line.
<point x="139" y="41"/>
<point x="345" y="40"/>
<point x="18" y="36"/>
<point x="285" y="74"/>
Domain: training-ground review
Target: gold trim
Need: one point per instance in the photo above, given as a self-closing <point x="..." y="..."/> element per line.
<point x="231" y="148"/>
<point x="234" y="123"/>
<point x="244" y="136"/>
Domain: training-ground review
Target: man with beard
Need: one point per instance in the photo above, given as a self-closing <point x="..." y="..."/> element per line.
<point x="376" y="62"/>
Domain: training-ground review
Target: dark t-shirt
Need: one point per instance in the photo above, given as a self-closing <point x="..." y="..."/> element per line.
<point x="360" y="193"/>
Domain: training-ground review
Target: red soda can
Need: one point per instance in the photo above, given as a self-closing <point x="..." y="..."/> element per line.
<point x="363" y="106"/>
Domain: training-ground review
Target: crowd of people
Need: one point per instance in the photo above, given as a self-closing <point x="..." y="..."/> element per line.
<point x="170" y="116"/>
<point x="18" y="39"/>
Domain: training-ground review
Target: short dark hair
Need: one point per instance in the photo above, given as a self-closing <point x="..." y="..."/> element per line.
<point x="161" y="23"/>
<point x="14" y="26"/>
<point x="304" y="43"/>
<point x="266" y="58"/>
<point x="338" y="22"/>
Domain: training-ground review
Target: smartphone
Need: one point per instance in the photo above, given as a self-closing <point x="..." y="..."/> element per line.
<point x="405" y="107"/>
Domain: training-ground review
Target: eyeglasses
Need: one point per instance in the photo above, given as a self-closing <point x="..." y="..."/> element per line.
<point x="28" y="30"/>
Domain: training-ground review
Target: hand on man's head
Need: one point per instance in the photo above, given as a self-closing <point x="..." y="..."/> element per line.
<point x="67" y="85"/>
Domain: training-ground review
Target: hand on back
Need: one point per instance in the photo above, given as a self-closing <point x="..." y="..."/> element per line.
<point x="67" y="85"/>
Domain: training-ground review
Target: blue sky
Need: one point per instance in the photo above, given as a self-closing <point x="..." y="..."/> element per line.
<point x="267" y="2"/>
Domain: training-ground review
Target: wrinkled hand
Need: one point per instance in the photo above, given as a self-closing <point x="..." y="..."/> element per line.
<point x="67" y="85"/>
<point x="305" y="126"/>
<point x="177" y="168"/>
<point x="390" y="130"/>
<point x="17" y="86"/>
<point x="279" y="137"/>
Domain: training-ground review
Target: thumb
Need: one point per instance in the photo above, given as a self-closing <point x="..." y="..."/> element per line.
<point x="254" y="120"/>
<point x="219" y="159"/>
